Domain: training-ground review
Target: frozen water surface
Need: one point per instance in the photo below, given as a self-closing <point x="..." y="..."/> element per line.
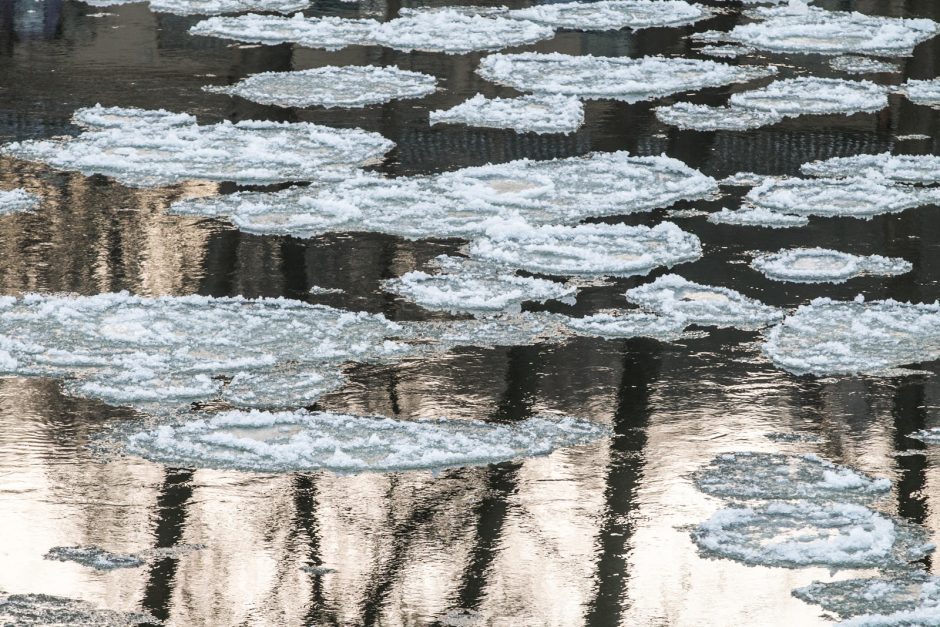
<point x="747" y="475"/>
<point x="303" y="441"/>
<point x="464" y="285"/>
<point x="813" y="96"/>
<point x="919" y="169"/>
<point x="526" y="114"/>
<point x="686" y="115"/>
<point x="93" y="557"/>
<point x="329" y="33"/>
<point x="922" y="92"/>
<point x="830" y="337"/>
<point x="704" y="305"/>
<point x="910" y="598"/>
<point x="757" y="216"/>
<point x="626" y="324"/>
<point x="587" y="249"/>
<point x="15" y="200"/>
<point x="863" y="65"/>
<point x="152" y="148"/>
<point x="617" y="78"/>
<point x="821" y="265"/>
<point x="613" y="14"/>
<point x="805" y="533"/>
<point x="332" y="86"/>
<point x="212" y="7"/>
<point x="43" y="610"/>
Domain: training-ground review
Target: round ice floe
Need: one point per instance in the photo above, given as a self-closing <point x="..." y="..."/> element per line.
<point x="804" y="533"/>
<point x="856" y="197"/>
<point x="627" y="324"/>
<point x="747" y="475"/>
<point x="921" y="169"/>
<point x="863" y="65"/>
<point x="463" y="285"/>
<point x="704" y="118"/>
<point x="332" y="86"/>
<point x="43" y="610"/>
<point x="757" y="216"/>
<point x="704" y="305"/>
<point x="909" y="598"/>
<point x="140" y="149"/>
<point x="526" y="114"/>
<point x="617" y="78"/>
<point x="813" y="96"/>
<point x="586" y="249"/>
<point x="16" y="200"/>
<point x="922" y="92"/>
<point x="329" y="33"/>
<point x="93" y="557"/>
<point x="830" y="337"/>
<point x="301" y="441"/>
<point x="456" y="32"/>
<point x="820" y="265"/>
<point x="613" y="14"/>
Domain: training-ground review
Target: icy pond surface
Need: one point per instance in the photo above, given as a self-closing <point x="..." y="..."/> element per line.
<point x="617" y="313"/>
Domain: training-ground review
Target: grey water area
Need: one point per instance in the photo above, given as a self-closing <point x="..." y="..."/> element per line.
<point x="597" y="534"/>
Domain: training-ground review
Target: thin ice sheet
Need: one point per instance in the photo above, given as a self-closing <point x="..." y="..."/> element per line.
<point x="525" y="114"/>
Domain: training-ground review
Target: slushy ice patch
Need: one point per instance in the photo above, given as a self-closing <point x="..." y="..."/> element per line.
<point x="43" y="610"/>
<point x="914" y="169"/>
<point x="16" y="200"/>
<point x="525" y="114"/>
<point x="328" y="33"/>
<point x="613" y="14"/>
<point x="910" y="598"/>
<point x="821" y="265"/>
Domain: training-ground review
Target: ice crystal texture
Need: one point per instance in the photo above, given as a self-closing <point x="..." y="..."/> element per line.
<point x="705" y="118"/>
<point x="757" y="216"/>
<point x="922" y="92"/>
<point x="613" y="14"/>
<point x="328" y="33"/>
<point x="43" y="610"/>
<point x="212" y="7"/>
<point x="919" y="169"/>
<point x="93" y="557"/>
<point x="821" y="265"/>
<point x="16" y="200"/>
<point x="909" y="598"/>
<point x="525" y="114"/>
<point x="863" y="65"/>
<point x="627" y="324"/>
<point x="813" y="96"/>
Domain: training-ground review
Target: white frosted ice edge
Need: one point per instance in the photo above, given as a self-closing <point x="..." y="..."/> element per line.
<point x="586" y="249"/>
<point x="628" y="324"/>
<point x="212" y="7"/>
<point x="830" y="337"/>
<point x="686" y="115"/>
<point x="613" y="14"/>
<point x="925" y="92"/>
<point x="525" y="114"/>
<point x="329" y="33"/>
<point x="863" y="65"/>
<point x="305" y="441"/>
<point x="806" y="533"/>
<point x="906" y="598"/>
<point x="757" y="216"/>
<point x="150" y="148"/>
<point x="332" y="86"/>
<point x="42" y="610"/>
<point x="821" y="265"/>
<point x="616" y="78"/>
<point x="16" y="200"/>
<point x="673" y="296"/>
<point x="748" y="475"/>
<point x="919" y="169"/>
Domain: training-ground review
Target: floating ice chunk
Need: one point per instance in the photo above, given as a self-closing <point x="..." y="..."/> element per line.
<point x="920" y="169"/>
<point x="813" y="96"/>
<point x="799" y="28"/>
<point x="757" y="216"/>
<point x="93" y="557"/>
<point x="804" y="533"/>
<point x="332" y="86"/>
<point x="820" y="265"/>
<point x="911" y="137"/>
<point x="744" y="179"/>
<point x="587" y="249"/>
<point x="526" y="114"/>
<point x="614" y="14"/>
<point x="464" y="285"/>
<point x="317" y="290"/>
<point x="922" y="92"/>
<point x="43" y="610"/>
<point x="218" y="7"/>
<point x="302" y="441"/>
<point x="851" y="197"/>
<point x="863" y="65"/>
<point x="830" y="337"/>
<point x="930" y="436"/>
<point x="628" y="324"/>
<point x="725" y="51"/>
<point x="909" y="598"/>
<point x="747" y="475"/>
<point x="704" y="305"/>
<point x="146" y="148"/>
<point x="16" y="200"/>
<point x="686" y="115"/>
<point x="617" y="78"/>
<point x="456" y="32"/>
<point x="523" y="329"/>
<point x="329" y="33"/>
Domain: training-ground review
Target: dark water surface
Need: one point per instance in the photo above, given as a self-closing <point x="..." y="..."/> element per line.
<point x="594" y="536"/>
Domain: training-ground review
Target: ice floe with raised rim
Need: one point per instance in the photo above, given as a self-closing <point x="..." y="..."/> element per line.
<point x="852" y="64"/>
<point x="799" y="28"/>
<point x="822" y="265"/>
<point x="614" y="14"/>
<point x="462" y="285"/>
<point x="904" y="598"/>
<point x="151" y="148"/>
<point x="686" y="115"/>
<point x="328" y="33"/>
<point x="308" y="441"/>
<point x="211" y="7"/>
<point x="17" y="200"/>
<point x="525" y="114"/>
<point x="616" y="78"/>
<point x="348" y="86"/>
<point x="757" y="216"/>
<point x="806" y="533"/>
<point x="43" y="610"/>
<point x="916" y="169"/>
<point x="772" y="476"/>
<point x="828" y="337"/>
<point x="586" y="249"/>
<point x="809" y="95"/>
<point x="704" y="305"/>
<point x="926" y="92"/>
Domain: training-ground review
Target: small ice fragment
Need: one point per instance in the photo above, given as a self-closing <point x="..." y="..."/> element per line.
<point x="904" y="598"/>
<point x="317" y="570"/>
<point x="930" y="436"/>
<point x="328" y="33"/>
<point x="747" y="475"/>
<point x="757" y="216"/>
<point x="673" y="296"/>
<point x="686" y="115"/>
<point x="628" y="324"/>
<point x="725" y="51"/>
<point x="613" y="14"/>
<point x="922" y="92"/>
<point x="617" y="78"/>
<point x="42" y="610"/>
<point x="744" y="179"/>
<point x="218" y="7"/>
<point x="911" y="137"/>
<point x="919" y="169"/>
<point x="93" y="557"/>
<point x="821" y="265"/>
<point x="863" y="65"/>
<point x="16" y="200"/>
<point x="525" y="114"/>
<point x="317" y="290"/>
<point x="331" y="86"/>
<point x="813" y="96"/>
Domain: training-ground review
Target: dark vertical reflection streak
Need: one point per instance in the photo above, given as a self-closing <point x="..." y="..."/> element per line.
<point x="308" y="525"/>
<point x="908" y="413"/>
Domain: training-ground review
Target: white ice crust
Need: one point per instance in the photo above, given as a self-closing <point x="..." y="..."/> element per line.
<point x="613" y="14"/>
<point x="617" y="78"/>
<point x="813" y="96"/>
<point x="212" y="7"/>
<point x="905" y="598"/>
<point x="328" y="33"/>
<point x="16" y="200"/>
<point x="525" y="114"/>
<point x="686" y="115"/>
<point x="43" y="610"/>
<point x="926" y="92"/>
<point x="852" y="64"/>
<point x="918" y="169"/>
<point x="757" y="216"/>
<point x="94" y="557"/>
<point x="628" y="324"/>
<point x="151" y="148"/>
<point x="332" y="86"/>
<point x="821" y="265"/>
